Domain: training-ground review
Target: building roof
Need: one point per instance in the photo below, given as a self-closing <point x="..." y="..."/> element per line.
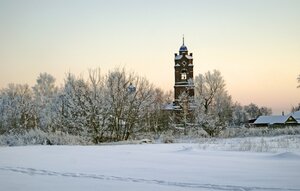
<point x="183" y="48"/>
<point x="189" y="57"/>
<point x="296" y="115"/>
<point x="274" y="119"/>
<point x="178" y="57"/>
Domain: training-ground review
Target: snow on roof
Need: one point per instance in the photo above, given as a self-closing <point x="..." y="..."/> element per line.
<point x="169" y="106"/>
<point x="274" y="119"/>
<point x="188" y="57"/>
<point x="178" y="57"/>
<point x="296" y="115"/>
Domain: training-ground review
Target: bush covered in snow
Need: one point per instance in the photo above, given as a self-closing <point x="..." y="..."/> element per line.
<point x="259" y="132"/>
<point x="285" y="143"/>
<point x="39" y="137"/>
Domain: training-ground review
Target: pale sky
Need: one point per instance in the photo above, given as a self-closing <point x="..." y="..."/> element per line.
<point x="255" y="44"/>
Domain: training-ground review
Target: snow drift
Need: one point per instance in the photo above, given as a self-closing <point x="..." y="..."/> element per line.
<point x="147" y="167"/>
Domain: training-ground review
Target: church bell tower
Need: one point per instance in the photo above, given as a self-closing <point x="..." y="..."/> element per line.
<point x="184" y="75"/>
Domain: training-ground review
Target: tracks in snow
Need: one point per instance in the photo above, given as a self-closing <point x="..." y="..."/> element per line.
<point x="33" y="171"/>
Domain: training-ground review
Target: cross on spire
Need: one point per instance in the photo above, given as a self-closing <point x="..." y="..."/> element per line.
<point x="183" y="39"/>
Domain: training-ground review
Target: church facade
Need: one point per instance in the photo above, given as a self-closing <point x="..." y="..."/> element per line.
<point x="183" y="105"/>
<point x="184" y="75"/>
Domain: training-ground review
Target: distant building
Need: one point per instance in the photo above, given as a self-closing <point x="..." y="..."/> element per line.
<point x="275" y="121"/>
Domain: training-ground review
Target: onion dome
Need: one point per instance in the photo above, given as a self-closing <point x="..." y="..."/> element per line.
<point x="183" y="48"/>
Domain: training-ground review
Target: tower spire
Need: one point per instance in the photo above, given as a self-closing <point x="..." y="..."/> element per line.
<point x="183" y="48"/>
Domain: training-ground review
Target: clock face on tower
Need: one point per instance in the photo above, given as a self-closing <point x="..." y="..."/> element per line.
<point x="183" y="63"/>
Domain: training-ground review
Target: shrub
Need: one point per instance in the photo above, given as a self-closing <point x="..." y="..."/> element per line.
<point x="39" y="137"/>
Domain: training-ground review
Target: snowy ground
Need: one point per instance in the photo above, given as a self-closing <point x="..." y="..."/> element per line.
<point x="210" y="165"/>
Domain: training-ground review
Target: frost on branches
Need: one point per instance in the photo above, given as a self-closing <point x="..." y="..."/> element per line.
<point x="213" y="102"/>
<point x="114" y="107"/>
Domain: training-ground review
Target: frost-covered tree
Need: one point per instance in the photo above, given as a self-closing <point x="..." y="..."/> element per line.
<point x="207" y="86"/>
<point x="295" y="108"/>
<point x="109" y="108"/>
<point x="239" y="115"/>
<point x="265" y="110"/>
<point x="45" y="96"/>
<point x="129" y="99"/>
<point x="253" y="111"/>
<point x="298" y="81"/>
<point x="157" y="119"/>
<point x="114" y="107"/>
<point x="213" y="110"/>
<point x="17" y="111"/>
<point x="74" y="106"/>
<point x="83" y="107"/>
<point x="98" y="115"/>
<point x="45" y="86"/>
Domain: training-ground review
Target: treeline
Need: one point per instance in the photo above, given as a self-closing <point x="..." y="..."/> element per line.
<point x="116" y="106"/>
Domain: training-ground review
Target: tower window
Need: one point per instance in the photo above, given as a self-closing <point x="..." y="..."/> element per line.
<point x="183" y="76"/>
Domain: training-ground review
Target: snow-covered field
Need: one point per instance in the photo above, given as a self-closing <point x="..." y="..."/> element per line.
<point x="231" y="164"/>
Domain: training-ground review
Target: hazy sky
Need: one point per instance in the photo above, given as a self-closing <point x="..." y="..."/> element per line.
<point x="255" y="44"/>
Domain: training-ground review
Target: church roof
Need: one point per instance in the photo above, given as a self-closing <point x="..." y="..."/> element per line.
<point x="189" y="57"/>
<point x="178" y="57"/>
<point x="183" y="48"/>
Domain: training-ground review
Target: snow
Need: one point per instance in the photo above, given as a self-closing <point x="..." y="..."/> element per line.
<point x="189" y="57"/>
<point x="169" y="106"/>
<point x="178" y="57"/>
<point x="296" y="115"/>
<point x="181" y="166"/>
